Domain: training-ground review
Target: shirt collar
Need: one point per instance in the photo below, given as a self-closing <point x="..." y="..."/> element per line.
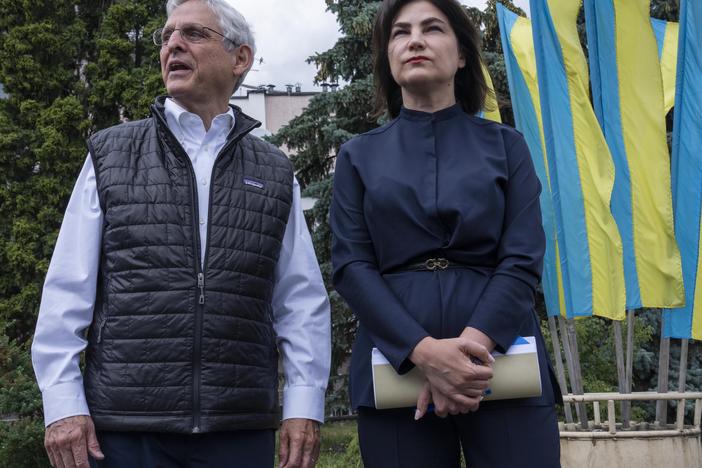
<point x="179" y="119"/>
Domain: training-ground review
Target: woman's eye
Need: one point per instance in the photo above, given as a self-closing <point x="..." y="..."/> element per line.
<point x="398" y="32"/>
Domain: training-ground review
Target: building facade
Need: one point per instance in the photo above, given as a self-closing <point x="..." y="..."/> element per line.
<point x="273" y="108"/>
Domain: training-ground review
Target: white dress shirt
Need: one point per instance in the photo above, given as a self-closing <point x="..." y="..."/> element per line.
<point x="301" y="316"/>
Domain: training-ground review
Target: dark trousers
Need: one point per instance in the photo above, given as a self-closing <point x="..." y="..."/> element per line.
<point x="518" y="437"/>
<point x="237" y="449"/>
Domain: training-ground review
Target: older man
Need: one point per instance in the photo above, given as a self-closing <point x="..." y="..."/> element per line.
<point x="185" y="254"/>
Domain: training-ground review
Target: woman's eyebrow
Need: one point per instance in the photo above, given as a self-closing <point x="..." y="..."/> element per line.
<point x="423" y="23"/>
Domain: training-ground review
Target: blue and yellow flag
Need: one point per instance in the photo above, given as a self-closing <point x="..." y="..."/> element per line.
<point x="667" y="34"/>
<point x="491" y="111"/>
<point x="520" y="63"/>
<point x="687" y="172"/>
<point x="580" y="165"/>
<point x="627" y="93"/>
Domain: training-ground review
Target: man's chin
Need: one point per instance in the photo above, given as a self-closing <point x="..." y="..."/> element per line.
<point x="177" y="90"/>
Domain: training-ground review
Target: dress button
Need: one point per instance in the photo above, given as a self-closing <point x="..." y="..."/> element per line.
<point x="202" y="221"/>
<point x="204" y="181"/>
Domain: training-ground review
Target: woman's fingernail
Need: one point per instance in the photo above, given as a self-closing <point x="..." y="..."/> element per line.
<point x="417" y="415"/>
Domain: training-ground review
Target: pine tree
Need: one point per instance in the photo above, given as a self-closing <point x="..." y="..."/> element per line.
<point x="668" y="10"/>
<point x="68" y="68"/>
<point x="314" y="138"/>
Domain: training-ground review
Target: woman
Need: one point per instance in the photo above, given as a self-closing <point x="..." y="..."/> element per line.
<point x="438" y="249"/>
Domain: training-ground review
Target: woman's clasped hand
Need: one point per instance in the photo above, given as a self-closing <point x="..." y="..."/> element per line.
<point x="458" y="371"/>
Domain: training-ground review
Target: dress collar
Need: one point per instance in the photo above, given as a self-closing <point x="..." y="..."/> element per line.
<point x="442" y="114"/>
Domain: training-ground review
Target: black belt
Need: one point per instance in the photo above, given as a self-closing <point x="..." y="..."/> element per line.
<point x="430" y="264"/>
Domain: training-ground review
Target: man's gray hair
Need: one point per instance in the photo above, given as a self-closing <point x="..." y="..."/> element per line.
<point x="234" y="26"/>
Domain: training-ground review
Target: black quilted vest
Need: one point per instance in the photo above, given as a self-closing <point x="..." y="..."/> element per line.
<point x="174" y="347"/>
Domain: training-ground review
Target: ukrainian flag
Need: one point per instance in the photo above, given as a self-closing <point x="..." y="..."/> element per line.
<point x="520" y="63"/>
<point x="667" y="34"/>
<point x="687" y="172"/>
<point x="627" y="92"/>
<point x="492" y="111"/>
<point x="580" y="164"/>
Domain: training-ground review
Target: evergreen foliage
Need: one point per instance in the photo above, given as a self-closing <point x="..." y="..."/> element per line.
<point x="68" y="68"/>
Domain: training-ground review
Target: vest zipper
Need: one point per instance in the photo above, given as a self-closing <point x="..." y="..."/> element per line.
<point x="201" y="285"/>
<point x="199" y="314"/>
<point x="200" y="281"/>
<point x="199" y="268"/>
<point x="199" y="276"/>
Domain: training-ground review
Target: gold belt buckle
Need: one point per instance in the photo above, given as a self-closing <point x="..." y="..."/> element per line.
<point x="434" y="264"/>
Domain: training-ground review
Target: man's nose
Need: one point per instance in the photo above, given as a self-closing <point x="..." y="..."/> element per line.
<point x="176" y="41"/>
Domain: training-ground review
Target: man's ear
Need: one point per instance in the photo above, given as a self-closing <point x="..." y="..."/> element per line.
<point x="243" y="59"/>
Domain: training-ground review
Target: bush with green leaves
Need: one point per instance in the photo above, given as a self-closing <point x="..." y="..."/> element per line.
<point x="68" y="68"/>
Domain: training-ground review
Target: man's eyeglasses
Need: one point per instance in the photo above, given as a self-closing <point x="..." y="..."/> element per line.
<point x="193" y="33"/>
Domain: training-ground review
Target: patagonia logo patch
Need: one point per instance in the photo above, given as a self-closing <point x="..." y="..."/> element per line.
<point x="253" y="183"/>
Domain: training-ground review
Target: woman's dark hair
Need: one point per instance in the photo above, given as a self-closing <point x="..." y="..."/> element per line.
<point x="469" y="84"/>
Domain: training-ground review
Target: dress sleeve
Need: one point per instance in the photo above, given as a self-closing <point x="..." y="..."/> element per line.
<point x="508" y="299"/>
<point x="356" y="276"/>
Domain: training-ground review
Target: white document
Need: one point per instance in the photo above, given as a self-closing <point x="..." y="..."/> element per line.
<point x="516" y="374"/>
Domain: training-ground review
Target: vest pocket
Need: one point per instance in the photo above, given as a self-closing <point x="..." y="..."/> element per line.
<point x="104" y="309"/>
<point x="101" y="327"/>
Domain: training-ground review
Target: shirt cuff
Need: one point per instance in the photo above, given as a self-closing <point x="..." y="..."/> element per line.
<point x="303" y="402"/>
<point x="64" y="400"/>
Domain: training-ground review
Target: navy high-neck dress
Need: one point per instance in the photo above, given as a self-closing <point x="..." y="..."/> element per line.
<point x="444" y="184"/>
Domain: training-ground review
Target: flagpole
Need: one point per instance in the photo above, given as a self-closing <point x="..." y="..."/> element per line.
<point x="619" y="351"/>
<point x="573" y="362"/>
<point x="573" y="338"/>
<point x="682" y="378"/>
<point x="630" y="324"/>
<point x="663" y="364"/>
<point x="560" y="372"/>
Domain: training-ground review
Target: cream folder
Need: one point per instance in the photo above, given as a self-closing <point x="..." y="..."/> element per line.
<point x="516" y="374"/>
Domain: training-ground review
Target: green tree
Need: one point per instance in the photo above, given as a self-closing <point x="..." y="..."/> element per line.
<point x="668" y="10"/>
<point x="68" y="68"/>
<point x="314" y="139"/>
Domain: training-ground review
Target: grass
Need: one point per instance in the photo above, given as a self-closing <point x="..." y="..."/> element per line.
<point x="339" y="446"/>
